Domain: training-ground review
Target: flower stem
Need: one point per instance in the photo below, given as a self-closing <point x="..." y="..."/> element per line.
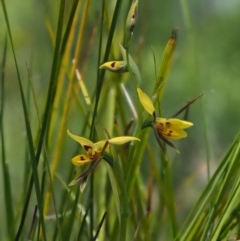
<point x="124" y="205"/>
<point x="170" y="199"/>
<point x="135" y="159"/>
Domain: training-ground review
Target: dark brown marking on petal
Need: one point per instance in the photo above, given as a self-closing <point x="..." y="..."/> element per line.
<point x="170" y="132"/>
<point x="82" y="158"/>
<point x="113" y="64"/>
<point x="87" y="147"/>
<point x="168" y="124"/>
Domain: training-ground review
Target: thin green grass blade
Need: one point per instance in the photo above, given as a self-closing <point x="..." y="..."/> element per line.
<point x="25" y="208"/>
<point x="68" y="27"/>
<point x="195" y="214"/>
<point x="6" y="177"/>
<point x="51" y="91"/>
<point x="66" y="47"/>
<point x="118" y="185"/>
<point x="53" y="78"/>
<point x="114" y="190"/>
<point x="207" y="196"/>
<point x="100" y="79"/>
<point x="33" y="224"/>
<point x="71" y="218"/>
<point x="99" y="226"/>
<point x="110" y="172"/>
<point x="64" y="201"/>
<point x="100" y="75"/>
<point x="229" y="207"/>
<point x="231" y="225"/>
<point x="80" y="232"/>
<point x="28" y="129"/>
<point x="53" y="196"/>
<point x="124" y="205"/>
<point x="62" y="132"/>
<point x="188" y="21"/>
<point x="224" y="181"/>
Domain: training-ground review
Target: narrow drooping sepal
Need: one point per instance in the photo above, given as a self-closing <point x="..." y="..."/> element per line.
<point x="160" y="137"/>
<point x="82" y="178"/>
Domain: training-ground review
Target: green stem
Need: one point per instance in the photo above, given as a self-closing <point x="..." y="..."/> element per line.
<point x="124" y="205"/>
<point x="129" y="68"/>
<point x="6" y="176"/>
<point x="135" y="159"/>
<point x="188" y="23"/>
<point x="100" y="79"/>
<point x="170" y="200"/>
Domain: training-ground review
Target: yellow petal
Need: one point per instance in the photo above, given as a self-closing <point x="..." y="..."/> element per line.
<point x="99" y="145"/>
<point x="115" y="66"/>
<point x="180" y="123"/>
<point x="177" y="122"/>
<point x="145" y="101"/>
<point x="161" y="120"/>
<point x="122" y="140"/>
<point x="174" y="133"/>
<point x="81" y="160"/>
<point x="81" y="140"/>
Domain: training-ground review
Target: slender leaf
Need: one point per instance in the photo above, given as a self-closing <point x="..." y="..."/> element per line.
<point x="6" y="177"/>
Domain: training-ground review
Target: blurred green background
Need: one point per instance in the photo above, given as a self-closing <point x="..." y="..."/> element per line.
<point x="206" y="60"/>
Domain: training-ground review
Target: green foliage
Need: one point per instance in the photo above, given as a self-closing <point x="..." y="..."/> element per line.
<point x="140" y="190"/>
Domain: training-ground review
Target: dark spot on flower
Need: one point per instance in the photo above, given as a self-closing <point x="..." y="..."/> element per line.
<point x="113" y="64"/>
<point x="86" y="147"/>
<point x="82" y="158"/>
<point x="168" y="124"/>
<point x="170" y="132"/>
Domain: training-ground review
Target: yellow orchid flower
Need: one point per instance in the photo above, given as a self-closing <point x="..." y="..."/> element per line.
<point x="115" y="66"/>
<point x="164" y="129"/>
<point x="94" y="150"/>
<point x="169" y="128"/>
<point x="172" y="128"/>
